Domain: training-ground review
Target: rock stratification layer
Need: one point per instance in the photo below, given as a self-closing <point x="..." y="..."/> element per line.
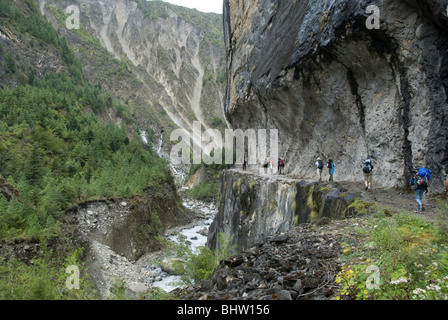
<point x="337" y="89"/>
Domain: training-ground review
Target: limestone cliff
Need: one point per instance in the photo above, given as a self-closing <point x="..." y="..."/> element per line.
<point x="339" y="90"/>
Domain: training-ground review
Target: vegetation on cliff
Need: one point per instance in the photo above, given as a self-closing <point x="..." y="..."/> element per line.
<point x="56" y="151"/>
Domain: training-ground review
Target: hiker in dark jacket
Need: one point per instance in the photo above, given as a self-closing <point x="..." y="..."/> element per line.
<point x="421" y="187"/>
<point x="330" y="166"/>
<point x="265" y="166"/>
<point x="367" y="168"/>
<point x="281" y="164"/>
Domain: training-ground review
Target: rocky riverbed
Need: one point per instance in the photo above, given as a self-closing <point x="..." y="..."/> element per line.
<point x="150" y="271"/>
<point x="154" y="265"/>
<point x="300" y="264"/>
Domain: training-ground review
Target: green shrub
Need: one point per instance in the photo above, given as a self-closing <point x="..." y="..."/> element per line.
<point x="409" y="255"/>
<point x="158" y="294"/>
<point x="205" y="191"/>
<point x="10" y="63"/>
<point x="44" y="278"/>
<point x="199" y="264"/>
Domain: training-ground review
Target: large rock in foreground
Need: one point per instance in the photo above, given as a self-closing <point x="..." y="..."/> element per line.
<point x="300" y="264"/>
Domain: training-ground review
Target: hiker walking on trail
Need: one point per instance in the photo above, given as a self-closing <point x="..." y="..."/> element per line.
<point x="265" y="166"/>
<point x="330" y="166"/>
<point x="271" y="165"/>
<point x="320" y="167"/>
<point x="281" y="164"/>
<point x="367" y="168"/>
<point x="421" y="183"/>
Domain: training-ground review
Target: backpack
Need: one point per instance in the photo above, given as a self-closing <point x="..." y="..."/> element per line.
<point x="320" y="164"/>
<point x="425" y="174"/>
<point x="330" y="164"/>
<point x="265" y="164"/>
<point x="423" y="183"/>
<point x="367" y="167"/>
<point x="282" y="164"/>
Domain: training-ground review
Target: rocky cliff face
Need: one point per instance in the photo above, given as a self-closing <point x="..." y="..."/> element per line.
<point x="253" y="207"/>
<point x="168" y="71"/>
<point x="336" y="89"/>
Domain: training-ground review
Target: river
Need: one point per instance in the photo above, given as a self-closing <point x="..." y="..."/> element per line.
<point x="195" y="235"/>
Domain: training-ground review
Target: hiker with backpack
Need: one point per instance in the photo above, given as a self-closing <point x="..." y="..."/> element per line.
<point x="367" y="169"/>
<point x="320" y="167"/>
<point x="421" y="184"/>
<point x="265" y="166"/>
<point x="330" y="166"/>
<point x="281" y="164"/>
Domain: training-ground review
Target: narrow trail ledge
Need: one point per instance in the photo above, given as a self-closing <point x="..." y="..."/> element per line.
<point x="253" y="207"/>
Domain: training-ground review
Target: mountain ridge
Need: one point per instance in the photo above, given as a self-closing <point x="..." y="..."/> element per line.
<point x="173" y="71"/>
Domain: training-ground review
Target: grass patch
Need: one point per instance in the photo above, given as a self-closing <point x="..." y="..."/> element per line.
<point x="44" y="278"/>
<point x="404" y="258"/>
<point x="325" y="189"/>
<point x="205" y="191"/>
<point x="362" y="207"/>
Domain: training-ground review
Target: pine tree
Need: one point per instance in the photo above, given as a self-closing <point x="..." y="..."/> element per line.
<point x="52" y="200"/>
<point x="10" y="63"/>
<point x="34" y="168"/>
<point x="32" y="77"/>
